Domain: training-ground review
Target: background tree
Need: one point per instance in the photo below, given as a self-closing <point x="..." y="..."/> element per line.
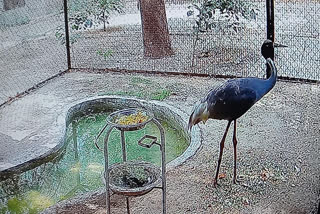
<point x="101" y="10"/>
<point x="219" y="14"/>
<point x="87" y="14"/>
<point x="155" y="30"/>
<point x="11" y="4"/>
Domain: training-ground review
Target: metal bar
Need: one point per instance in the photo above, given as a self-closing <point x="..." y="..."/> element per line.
<point x="154" y="141"/>
<point x="66" y="27"/>
<point x="123" y="145"/>
<point x="106" y="169"/>
<point x="124" y="158"/>
<point x="128" y="207"/>
<point x="163" y="165"/>
<point x="270" y="21"/>
<point x="97" y="138"/>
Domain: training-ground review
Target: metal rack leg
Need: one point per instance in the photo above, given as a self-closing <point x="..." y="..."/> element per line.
<point x="164" y="205"/>
<point x="108" y="201"/>
<point x="106" y="169"/>
<point x="128" y="207"/>
<point x="123" y="145"/>
<point x="163" y="166"/>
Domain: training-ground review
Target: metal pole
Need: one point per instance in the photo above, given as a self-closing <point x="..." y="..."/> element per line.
<point x="128" y="207"/>
<point x="163" y="165"/>
<point x="270" y="21"/>
<point x="106" y="169"/>
<point x="123" y="145"/>
<point x="66" y="27"/>
<point x="124" y="158"/>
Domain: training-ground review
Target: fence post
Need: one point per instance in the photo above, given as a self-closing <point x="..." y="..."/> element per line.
<point x="270" y="21"/>
<point x="66" y="26"/>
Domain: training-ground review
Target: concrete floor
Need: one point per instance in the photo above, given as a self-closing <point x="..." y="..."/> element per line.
<point x="278" y="150"/>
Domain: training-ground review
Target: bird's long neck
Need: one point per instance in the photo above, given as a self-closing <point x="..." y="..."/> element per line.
<point x="268" y="71"/>
<point x="263" y="86"/>
<point x="271" y="75"/>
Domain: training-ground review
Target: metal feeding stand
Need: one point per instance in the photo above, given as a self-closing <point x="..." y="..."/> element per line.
<point x="133" y="178"/>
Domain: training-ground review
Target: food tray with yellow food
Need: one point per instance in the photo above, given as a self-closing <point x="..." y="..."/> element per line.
<point x="129" y="119"/>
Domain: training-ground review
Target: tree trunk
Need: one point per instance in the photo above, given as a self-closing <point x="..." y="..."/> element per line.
<point x="155" y="30"/>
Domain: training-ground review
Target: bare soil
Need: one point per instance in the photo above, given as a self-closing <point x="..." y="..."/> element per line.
<point x="278" y="150"/>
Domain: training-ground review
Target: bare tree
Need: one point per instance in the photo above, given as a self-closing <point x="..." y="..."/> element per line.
<point x="155" y="30"/>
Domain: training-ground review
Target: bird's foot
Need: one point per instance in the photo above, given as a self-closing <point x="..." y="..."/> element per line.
<point x="234" y="181"/>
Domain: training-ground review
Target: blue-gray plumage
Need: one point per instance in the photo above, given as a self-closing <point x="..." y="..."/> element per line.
<point x="234" y="98"/>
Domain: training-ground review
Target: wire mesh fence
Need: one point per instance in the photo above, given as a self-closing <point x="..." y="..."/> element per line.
<point x="220" y="51"/>
<point x="216" y="52"/>
<point x="110" y="34"/>
<point x="298" y="26"/>
<point x="29" y="51"/>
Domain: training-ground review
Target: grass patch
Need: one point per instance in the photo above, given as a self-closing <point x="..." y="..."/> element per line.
<point x="124" y="93"/>
<point x="158" y="94"/>
<point x="139" y="80"/>
<point x="142" y="88"/>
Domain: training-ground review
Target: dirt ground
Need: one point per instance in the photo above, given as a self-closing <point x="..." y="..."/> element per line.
<point x="30" y="52"/>
<point x="278" y="149"/>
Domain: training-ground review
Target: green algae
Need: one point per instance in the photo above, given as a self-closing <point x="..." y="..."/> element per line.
<point x="81" y="167"/>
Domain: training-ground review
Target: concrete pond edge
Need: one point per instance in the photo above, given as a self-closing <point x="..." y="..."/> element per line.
<point x="100" y="103"/>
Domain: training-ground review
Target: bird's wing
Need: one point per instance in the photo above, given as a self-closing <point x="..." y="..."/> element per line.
<point x="231" y="100"/>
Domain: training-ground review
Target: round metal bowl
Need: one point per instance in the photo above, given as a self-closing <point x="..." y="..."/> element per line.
<point x="112" y="119"/>
<point x="133" y="178"/>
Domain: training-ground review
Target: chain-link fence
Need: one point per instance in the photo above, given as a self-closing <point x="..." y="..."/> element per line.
<point x="109" y="34"/>
<point x="226" y="49"/>
<point x="219" y="51"/>
<point x="298" y="26"/>
<point x="29" y="51"/>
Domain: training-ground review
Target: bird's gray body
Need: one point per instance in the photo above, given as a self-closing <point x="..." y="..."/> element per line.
<point x="235" y="97"/>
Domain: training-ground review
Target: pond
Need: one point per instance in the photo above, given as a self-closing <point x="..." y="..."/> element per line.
<point x="80" y="166"/>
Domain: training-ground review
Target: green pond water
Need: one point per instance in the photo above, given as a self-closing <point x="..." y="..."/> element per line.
<point x="80" y="168"/>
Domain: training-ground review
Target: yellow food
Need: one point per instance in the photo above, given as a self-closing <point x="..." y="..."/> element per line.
<point x="132" y="119"/>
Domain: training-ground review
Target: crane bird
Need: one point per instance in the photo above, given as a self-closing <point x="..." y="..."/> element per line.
<point x="234" y="98"/>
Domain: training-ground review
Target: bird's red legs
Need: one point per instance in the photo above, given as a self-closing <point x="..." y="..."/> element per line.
<point x="235" y="151"/>
<point x="220" y="154"/>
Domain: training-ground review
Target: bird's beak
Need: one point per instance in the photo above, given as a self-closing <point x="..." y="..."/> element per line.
<point x="204" y="120"/>
<point x="278" y="45"/>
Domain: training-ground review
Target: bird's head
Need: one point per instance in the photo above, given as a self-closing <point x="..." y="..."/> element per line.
<point x="267" y="48"/>
<point x="200" y="113"/>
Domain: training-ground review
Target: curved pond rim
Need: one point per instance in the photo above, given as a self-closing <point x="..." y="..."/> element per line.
<point x="103" y="103"/>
